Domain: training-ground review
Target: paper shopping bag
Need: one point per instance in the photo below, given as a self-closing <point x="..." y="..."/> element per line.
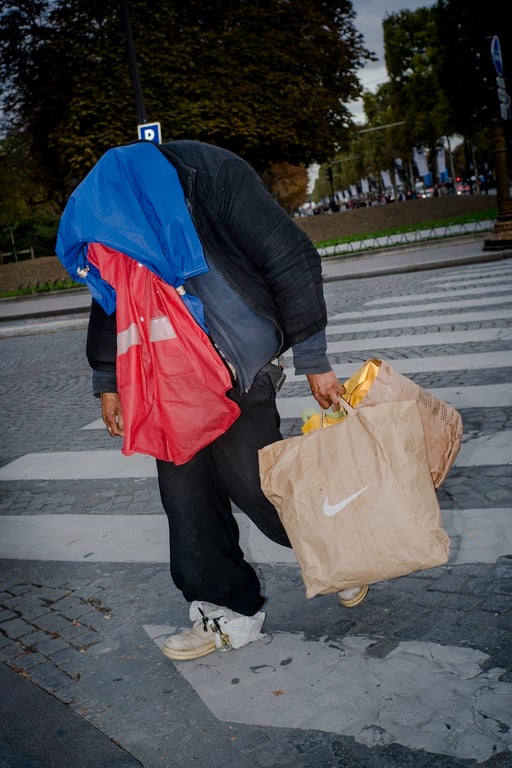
<point x="377" y="382"/>
<point x="357" y="498"/>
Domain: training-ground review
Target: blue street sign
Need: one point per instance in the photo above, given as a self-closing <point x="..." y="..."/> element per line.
<point x="497" y="58"/>
<point x="504" y="100"/>
<point x="150" y="132"/>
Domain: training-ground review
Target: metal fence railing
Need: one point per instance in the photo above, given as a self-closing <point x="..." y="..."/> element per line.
<point x="408" y="238"/>
<point x="10" y="256"/>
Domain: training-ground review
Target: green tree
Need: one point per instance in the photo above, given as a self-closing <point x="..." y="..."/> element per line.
<point x="267" y="79"/>
<point x="464" y="63"/>
<point x="385" y="137"/>
<point x="466" y="73"/>
<point x="28" y="219"/>
<point x="287" y="184"/>
<point x="372" y="147"/>
<point x="412" y="45"/>
<point x="441" y="79"/>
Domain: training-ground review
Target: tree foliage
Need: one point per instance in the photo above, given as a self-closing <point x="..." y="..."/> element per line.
<point x="464" y="64"/>
<point x="411" y="43"/>
<point x="268" y="79"/>
<point x="441" y="83"/>
<point x="287" y="184"/>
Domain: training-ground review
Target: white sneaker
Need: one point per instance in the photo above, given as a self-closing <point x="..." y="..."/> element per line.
<point x="214" y="629"/>
<point x="190" y="644"/>
<point x="349" y="598"/>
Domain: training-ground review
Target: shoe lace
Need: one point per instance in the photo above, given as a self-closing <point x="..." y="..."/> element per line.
<point x="214" y="625"/>
<point x="205" y="619"/>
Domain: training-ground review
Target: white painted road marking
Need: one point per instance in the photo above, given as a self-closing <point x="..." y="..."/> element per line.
<point x="478" y="535"/>
<point x="460" y="304"/>
<point x="377" y="701"/>
<point x="421" y="321"/>
<point x="487" y="396"/>
<point x="441" y="338"/>
<point x="479" y="450"/>
<point x="113" y="539"/>
<point x="440" y="294"/>
<point x="410" y="365"/>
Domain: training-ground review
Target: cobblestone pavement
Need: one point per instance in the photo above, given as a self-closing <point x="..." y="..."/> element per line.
<point x="86" y="632"/>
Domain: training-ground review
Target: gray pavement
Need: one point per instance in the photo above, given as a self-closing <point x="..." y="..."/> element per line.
<point x="419" y="675"/>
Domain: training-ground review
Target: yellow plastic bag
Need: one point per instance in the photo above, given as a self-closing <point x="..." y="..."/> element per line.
<point x="358" y="386"/>
<point x="320" y="420"/>
<point x="356" y="389"/>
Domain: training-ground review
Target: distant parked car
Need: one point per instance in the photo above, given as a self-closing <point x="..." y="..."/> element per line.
<point x="423" y="191"/>
<point x="462" y="187"/>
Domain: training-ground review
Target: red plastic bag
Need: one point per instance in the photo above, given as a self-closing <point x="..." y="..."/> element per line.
<point x="171" y="381"/>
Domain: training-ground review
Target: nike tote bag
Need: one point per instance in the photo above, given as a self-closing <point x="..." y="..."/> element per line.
<point x="357" y="498"/>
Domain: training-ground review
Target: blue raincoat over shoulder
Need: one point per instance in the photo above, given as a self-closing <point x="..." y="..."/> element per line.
<point x="131" y="201"/>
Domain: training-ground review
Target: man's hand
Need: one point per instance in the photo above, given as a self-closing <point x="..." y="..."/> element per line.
<point x="112" y="413"/>
<point x="326" y="389"/>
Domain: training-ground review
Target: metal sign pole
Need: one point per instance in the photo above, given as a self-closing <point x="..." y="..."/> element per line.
<point x="134" y="69"/>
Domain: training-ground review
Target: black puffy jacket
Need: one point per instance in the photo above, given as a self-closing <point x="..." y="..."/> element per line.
<point x="266" y="258"/>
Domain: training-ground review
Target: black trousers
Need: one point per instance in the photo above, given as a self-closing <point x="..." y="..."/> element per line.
<point x="207" y="562"/>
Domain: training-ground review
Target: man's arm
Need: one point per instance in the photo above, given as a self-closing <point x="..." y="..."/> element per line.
<point x="326" y="389"/>
<point x="112" y="413"/>
<point x="310" y="358"/>
<point x="101" y="354"/>
<point x="101" y="349"/>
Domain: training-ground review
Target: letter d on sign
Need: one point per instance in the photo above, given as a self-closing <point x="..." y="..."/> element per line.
<point x="150" y="132"/>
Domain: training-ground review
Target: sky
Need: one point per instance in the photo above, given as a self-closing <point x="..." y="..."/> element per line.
<point x="369" y="17"/>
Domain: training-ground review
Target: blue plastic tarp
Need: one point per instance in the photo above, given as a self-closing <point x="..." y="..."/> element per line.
<point x="131" y="201"/>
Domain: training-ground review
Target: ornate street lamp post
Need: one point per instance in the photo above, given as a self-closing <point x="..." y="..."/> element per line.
<point x="501" y="235"/>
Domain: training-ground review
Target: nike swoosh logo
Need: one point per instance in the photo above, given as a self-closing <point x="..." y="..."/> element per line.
<point x="333" y="509"/>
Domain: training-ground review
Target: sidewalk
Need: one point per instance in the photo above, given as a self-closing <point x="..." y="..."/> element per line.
<point x="430" y="255"/>
<point x="39" y="730"/>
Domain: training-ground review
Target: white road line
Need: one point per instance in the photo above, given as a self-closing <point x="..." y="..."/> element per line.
<point x="76" y="465"/>
<point x="440" y="338"/>
<point x="460" y="304"/>
<point x="476" y="450"/>
<point x="485" y="450"/>
<point x="339" y="686"/>
<point x="399" y="299"/>
<point x="411" y="365"/>
<point x="461" y="317"/>
<point x="114" y="539"/>
<point x="478" y="535"/>
<point x="484" y="270"/>
<point x="488" y="396"/>
<point x="483" y="280"/>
